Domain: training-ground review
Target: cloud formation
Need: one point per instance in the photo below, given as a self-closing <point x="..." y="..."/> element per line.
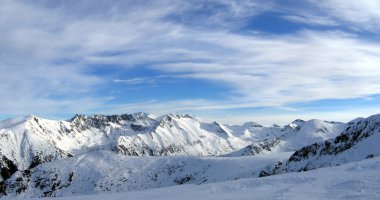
<point x="51" y="50"/>
<point x="355" y="15"/>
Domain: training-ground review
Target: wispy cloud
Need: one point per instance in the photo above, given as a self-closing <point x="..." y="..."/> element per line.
<point x="281" y="69"/>
<point x="48" y="53"/>
<point x="134" y="81"/>
<point x="359" y="15"/>
<point x="221" y="111"/>
<point x="144" y="80"/>
<point x="311" y="20"/>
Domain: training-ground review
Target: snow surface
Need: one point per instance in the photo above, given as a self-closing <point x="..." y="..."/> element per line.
<point x="359" y="180"/>
<point x="104" y="171"/>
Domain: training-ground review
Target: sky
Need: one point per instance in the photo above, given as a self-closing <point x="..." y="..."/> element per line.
<point x="269" y="61"/>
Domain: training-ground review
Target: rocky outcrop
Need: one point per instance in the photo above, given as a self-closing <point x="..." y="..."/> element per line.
<point x="265" y="146"/>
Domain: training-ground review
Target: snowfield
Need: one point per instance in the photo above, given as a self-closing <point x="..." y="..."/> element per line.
<point x="358" y="180"/>
<point x="103" y="171"/>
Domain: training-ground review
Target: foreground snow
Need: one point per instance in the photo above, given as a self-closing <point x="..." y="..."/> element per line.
<point x="359" y="180"/>
<point x="103" y="171"/>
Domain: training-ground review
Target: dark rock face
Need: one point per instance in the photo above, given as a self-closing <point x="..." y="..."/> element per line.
<point x="304" y="153"/>
<point x="2" y="188"/>
<point x="83" y="122"/>
<point x="370" y="156"/>
<point x="138" y="128"/>
<point x="276" y="169"/>
<point x="46" y="185"/>
<point x="184" y="180"/>
<point x="145" y="150"/>
<point x="257" y="148"/>
<point x="7" y="168"/>
<point x="349" y="138"/>
<point x="135" y="150"/>
<point x="40" y="158"/>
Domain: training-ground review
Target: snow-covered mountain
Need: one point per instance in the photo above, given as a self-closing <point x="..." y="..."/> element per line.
<point x="181" y="135"/>
<point x="24" y="144"/>
<point x="29" y="141"/>
<point x="359" y="141"/>
<point x="291" y="137"/>
<point x="101" y="153"/>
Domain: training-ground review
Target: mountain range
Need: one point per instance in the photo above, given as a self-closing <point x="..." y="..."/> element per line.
<point x="116" y="153"/>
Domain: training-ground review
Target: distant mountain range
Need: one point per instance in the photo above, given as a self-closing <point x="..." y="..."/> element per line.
<point x="99" y="153"/>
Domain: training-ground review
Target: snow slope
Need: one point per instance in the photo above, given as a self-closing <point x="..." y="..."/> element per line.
<point x="358" y="180"/>
<point x="104" y="171"/>
<point x="182" y="135"/>
<point x="22" y="147"/>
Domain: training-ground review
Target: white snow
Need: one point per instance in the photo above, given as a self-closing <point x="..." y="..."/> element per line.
<point x="359" y="180"/>
<point x="104" y="171"/>
<point x="310" y="132"/>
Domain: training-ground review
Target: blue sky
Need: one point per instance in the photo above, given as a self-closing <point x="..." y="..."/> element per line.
<point x="226" y="60"/>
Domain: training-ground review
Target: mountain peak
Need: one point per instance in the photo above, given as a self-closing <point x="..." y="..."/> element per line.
<point x="110" y="118"/>
<point x="251" y="124"/>
<point x="143" y="115"/>
<point x="170" y="116"/>
<point x="298" y="122"/>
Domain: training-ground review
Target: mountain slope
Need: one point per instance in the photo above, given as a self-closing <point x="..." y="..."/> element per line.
<point x="29" y="141"/>
<point x="358" y="141"/>
<point x="104" y="171"/>
<point x="358" y="180"/>
<point x="181" y="135"/>
<point x="21" y="147"/>
<point x="292" y="137"/>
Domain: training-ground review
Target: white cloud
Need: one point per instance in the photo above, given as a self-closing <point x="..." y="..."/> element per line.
<point x="220" y="111"/>
<point x="48" y="50"/>
<point x="136" y="81"/>
<point x="311" y="20"/>
<point x="268" y="119"/>
<point x="188" y="105"/>
<point x="285" y="69"/>
<point x="152" y="80"/>
<point x="360" y="14"/>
